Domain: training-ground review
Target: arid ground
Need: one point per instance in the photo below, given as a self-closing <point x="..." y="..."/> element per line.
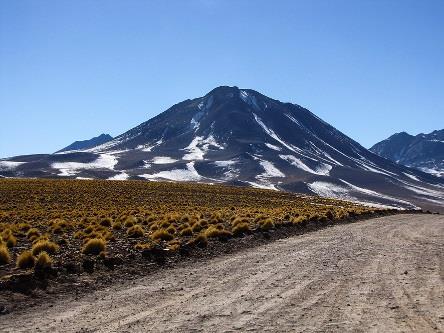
<point x="380" y="275"/>
<point x="58" y="235"/>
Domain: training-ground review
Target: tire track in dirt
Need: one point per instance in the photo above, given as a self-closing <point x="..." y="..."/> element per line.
<point x="383" y="274"/>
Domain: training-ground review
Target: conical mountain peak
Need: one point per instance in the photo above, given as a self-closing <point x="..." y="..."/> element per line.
<point x="240" y="136"/>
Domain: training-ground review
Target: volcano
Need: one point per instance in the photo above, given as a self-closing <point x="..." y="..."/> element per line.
<point x="242" y="137"/>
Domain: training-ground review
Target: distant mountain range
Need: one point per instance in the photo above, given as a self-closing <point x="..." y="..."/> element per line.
<point x="422" y="151"/>
<point x="241" y="137"/>
<point x="86" y="144"/>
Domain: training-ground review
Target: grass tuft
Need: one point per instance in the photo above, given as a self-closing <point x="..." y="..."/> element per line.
<point x="106" y="222"/>
<point x="43" y="261"/>
<point x="171" y="230"/>
<point x="94" y="246"/>
<point x="201" y="240"/>
<point x="5" y="257"/>
<point x="214" y="232"/>
<point x="25" y="260"/>
<point x="130" y="221"/>
<point x="117" y="225"/>
<point x="241" y="228"/>
<point x="162" y="235"/>
<point x="266" y="224"/>
<point x="32" y="233"/>
<point x="44" y="245"/>
<point x="11" y="241"/>
<point x="135" y="231"/>
<point x="186" y="232"/>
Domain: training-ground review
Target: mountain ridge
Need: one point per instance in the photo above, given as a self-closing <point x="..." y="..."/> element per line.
<point x="423" y="151"/>
<point x="86" y="144"/>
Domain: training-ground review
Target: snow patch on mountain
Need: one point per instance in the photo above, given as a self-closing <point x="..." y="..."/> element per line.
<point x="330" y="190"/>
<point x="322" y="153"/>
<point x="323" y="169"/>
<point x="411" y="176"/>
<point x="188" y="174"/>
<point x="147" y="164"/>
<point x="364" y="164"/>
<point x="262" y="185"/>
<point x="225" y="163"/>
<point x="272" y="134"/>
<point x="269" y="145"/>
<point x="202" y="107"/>
<point x="120" y="176"/>
<point x="206" y="104"/>
<point x="398" y="202"/>
<point x="199" y="147"/>
<point x="230" y="171"/>
<point x="104" y="161"/>
<point x="435" y="172"/>
<point x="9" y="165"/>
<point x="149" y="147"/>
<point x="270" y="171"/>
<point x="195" y="120"/>
<point x="294" y="120"/>
<point x="107" y="145"/>
<point x="163" y="160"/>
<point x="436" y="196"/>
<point x="249" y="99"/>
<point x="332" y="159"/>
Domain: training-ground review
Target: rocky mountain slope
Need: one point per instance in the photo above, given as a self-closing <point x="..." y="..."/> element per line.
<point x="241" y="137"/>
<point x="423" y="151"/>
<point x="86" y="144"/>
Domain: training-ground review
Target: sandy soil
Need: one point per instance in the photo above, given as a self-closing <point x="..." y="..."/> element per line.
<point x="380" y="275"/>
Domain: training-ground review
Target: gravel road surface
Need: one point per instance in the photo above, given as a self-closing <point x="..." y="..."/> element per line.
<point x="380" y="275"/>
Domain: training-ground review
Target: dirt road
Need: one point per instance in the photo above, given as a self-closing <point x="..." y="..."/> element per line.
<point x="380" y="275"/>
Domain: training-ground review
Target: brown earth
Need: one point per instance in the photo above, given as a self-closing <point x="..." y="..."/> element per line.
<point x="381" y="275"/>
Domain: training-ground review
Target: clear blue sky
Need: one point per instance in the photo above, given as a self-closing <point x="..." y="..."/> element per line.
<point x="71" y="70"/>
